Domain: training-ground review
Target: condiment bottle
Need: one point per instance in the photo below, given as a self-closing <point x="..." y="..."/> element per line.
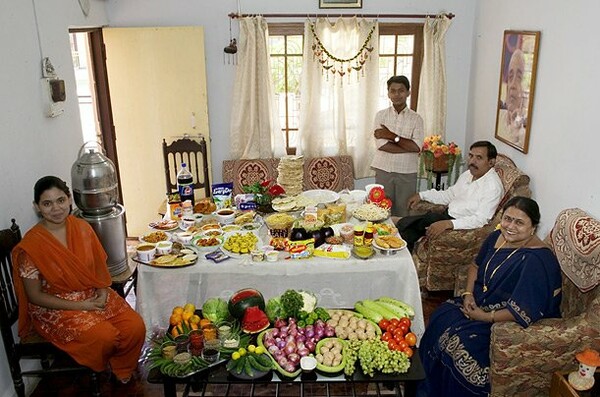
<point x="359" y="232"/>
<point x="368" y="238"/>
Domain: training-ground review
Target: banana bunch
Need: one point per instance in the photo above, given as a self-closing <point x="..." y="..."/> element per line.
<point x="384" y="307"/>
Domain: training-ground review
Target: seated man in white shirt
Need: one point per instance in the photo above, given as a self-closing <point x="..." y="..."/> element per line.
<point x="471" y="202"/>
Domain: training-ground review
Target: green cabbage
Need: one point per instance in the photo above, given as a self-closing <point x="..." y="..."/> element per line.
<point x="215" y="309"/>
<point x="274" y="309"/>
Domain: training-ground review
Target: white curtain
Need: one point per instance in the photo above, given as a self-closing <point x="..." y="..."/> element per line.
<point x="432" y="89"/>
<point x="255" y="131"/>
<point x="336" y="112"/>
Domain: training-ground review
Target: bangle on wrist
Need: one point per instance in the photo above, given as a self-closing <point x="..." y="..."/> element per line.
<point x="493" y="312"/>
<point x="465" y="294"/>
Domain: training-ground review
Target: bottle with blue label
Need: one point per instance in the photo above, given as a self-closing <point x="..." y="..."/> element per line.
<point x="185" y="184"/>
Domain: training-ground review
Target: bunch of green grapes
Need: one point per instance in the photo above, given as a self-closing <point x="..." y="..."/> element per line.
<point x="351" y="354"/>
<point x="374" y="355"/>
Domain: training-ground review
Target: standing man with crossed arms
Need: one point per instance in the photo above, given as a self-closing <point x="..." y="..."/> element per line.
<point x="399" y="134"/>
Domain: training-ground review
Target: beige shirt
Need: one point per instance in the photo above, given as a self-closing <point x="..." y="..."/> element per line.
<point x="407" y="124"/>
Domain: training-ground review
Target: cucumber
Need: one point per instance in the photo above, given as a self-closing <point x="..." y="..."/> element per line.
<point x="248" y="367"/>
<point x="239" y="365"/>
<point x="371" y="304"/>
<point x="397" y="310"/>
<point x="256" y="365"/>
<point x="407" y="308"/>
<point x="230" y="365"/>
<point x="372" y="315"/>
<point x="264" y="360"/>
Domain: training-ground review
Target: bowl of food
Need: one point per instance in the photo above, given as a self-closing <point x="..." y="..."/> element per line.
<point x="155" y="237"/>
<point x="225" y="216"/>
<point x="184" y="237"/>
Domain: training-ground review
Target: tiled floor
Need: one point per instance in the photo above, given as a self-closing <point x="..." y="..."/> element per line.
<point x="66" y="386"/>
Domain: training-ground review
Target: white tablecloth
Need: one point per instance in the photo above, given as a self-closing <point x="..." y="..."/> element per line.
<point x="337" y="283"/>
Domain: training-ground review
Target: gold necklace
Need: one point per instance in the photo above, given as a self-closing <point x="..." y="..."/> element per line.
<point x="485" y="288"/>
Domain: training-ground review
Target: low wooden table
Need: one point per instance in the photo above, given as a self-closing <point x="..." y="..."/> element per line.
<point x="560" y="386"/>
<point x="219" y="375"/>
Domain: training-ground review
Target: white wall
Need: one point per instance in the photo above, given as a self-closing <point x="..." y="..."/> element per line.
<point x="563" y="141"/>
<point x="32" y="145"/>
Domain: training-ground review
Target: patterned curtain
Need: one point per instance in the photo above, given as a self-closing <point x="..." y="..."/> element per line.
<point x="432" y="88"/>
<point x="338" y="103"/>
<point x="255" y="131"/>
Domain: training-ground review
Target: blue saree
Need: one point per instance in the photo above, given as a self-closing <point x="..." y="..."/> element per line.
<point x="455" y="350"/>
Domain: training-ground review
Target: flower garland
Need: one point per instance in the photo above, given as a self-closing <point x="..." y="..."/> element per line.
<point x="328" y="60"/>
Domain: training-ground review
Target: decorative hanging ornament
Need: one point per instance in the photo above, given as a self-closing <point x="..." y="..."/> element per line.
<point x="337" y="65"/>
<point x="230" y="52"/>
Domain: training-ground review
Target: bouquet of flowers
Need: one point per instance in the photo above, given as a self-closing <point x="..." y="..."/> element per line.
<point x="439" y="156"/>
<point x="264" y="192"/>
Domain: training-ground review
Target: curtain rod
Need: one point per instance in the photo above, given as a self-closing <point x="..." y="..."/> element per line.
<point x="420" y="16"/>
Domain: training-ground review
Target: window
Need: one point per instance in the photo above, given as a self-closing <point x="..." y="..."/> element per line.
<point x="400" y="53"/>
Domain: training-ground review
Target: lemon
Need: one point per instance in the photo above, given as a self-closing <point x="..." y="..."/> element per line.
<point x="189" y="307"/>
<point x="242" y="351"/>
<point x="235" y="356"/>
<point x="251" y="348"/>
<point x="259" y="350"/>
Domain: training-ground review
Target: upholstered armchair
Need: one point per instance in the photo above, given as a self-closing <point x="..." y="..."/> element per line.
<point x="442" y="261"/>
<point x="523" y="359"/>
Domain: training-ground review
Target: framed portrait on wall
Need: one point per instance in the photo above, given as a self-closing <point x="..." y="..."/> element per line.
<point x="517" y="86"/>
<point x="340" y="3"/>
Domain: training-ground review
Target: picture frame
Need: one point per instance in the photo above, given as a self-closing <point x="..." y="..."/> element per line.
<point x="518" y="66"/>
<point x="340" y="3"/>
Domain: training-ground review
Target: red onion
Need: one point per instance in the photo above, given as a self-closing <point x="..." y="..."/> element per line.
<point x="278" y="355"/>
<point x="289" y="367"/>
<point x="273" y="350"/>
<point x="293" y="331"/>
<point x="299" y="345"/>
<point x="294" y="358"/>
<point x="270" y="342"/>
<point x="274" y="332"/>
<point x="283" y="361"/>
<point x="300" y="338"/>
<point x="310" y="346"/>
<point x="280" y="323"/>
<point x="289" y="348"/>
<point x="281" y="344"/>
<point x="289" y="339"/>
<point x="291" y="320"/>
<point x="303" y="352"/>
<point x="309" y="333"/>
<point x="329" y="331"/>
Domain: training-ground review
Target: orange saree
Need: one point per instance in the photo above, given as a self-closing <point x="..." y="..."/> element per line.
<point x="74" y="273"/>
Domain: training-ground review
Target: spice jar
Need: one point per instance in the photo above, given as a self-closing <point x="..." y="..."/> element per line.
<point x="359" y="233"/>
<point x="368" y="237"/>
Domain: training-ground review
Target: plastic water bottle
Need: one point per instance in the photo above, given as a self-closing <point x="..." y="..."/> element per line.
<point x="185" y="184"/>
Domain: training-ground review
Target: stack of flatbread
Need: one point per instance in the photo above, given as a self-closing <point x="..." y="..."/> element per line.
<point x="291" y="174"/>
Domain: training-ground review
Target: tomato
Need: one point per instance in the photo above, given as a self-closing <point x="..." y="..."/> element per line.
<point x="398" y="338"/>
<point x="405" y="320"/>
<point x="394" y="322"/>
<point x="411" y="339"/>
<point x="384" y="324"/>
<point x="392" y="345"/>
<point x="408" y="351"/>
<point x="402" y="345"/>
<point x="387" y="336"/>
<point x="403" y="327"/>
<point x="398" y="332"/>
<point x="391" y="328"/>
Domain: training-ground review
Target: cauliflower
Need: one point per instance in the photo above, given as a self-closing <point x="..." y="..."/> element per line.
<point x="309" y="301"/>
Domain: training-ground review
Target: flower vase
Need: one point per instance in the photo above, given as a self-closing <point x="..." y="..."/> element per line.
<point x="263" y="203"/>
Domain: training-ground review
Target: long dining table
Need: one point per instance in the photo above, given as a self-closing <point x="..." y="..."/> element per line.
<point x="337" y="283"/>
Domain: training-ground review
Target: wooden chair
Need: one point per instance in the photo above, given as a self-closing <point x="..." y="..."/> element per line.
<point x="194" y="154"/>
<point x="53" y="360"/>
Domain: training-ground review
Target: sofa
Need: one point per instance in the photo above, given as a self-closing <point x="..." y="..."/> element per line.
<point x="332" y="173"/>
<point x="442" y="262"/>
<point x="524" y="359"/>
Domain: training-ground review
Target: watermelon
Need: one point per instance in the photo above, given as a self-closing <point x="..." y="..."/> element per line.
<point x="255" y="320"/>
<point x="243" y="299"/>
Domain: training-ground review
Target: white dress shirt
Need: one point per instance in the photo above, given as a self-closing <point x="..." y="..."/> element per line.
<point x="471" y="203"/>
<point x="406" y="124"/>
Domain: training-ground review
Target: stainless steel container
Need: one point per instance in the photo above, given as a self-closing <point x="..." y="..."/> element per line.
<point x="94" y="181"/>
<point x="110" y="229"/>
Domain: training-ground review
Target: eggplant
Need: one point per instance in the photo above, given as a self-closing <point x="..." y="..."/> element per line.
<point x="318" y="236"/>
<point x="327" y="232"/>
<point x="299" y="234"/>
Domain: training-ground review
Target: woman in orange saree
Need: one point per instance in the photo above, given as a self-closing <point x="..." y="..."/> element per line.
<point x="62" y="282"/>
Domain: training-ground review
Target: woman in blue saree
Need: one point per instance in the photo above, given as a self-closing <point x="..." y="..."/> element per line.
<point x="515" y="277"/>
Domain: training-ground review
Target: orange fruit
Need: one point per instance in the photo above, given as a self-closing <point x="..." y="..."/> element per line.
<point x="177" y="310"/>
<point x="175" y="319"/>
<point x="204" y="322"/>
<point x="186" y="315"/>
<point x="189" y="307"/>
<point x="195" y="319"/>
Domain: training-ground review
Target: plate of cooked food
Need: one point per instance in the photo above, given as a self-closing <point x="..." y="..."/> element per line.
<point x="155" y="237"/>
<point x="171" y="260"/>
<point x="389" y="244"/>
<point x="165" y="225"/>
<point x="371" y="212"/>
